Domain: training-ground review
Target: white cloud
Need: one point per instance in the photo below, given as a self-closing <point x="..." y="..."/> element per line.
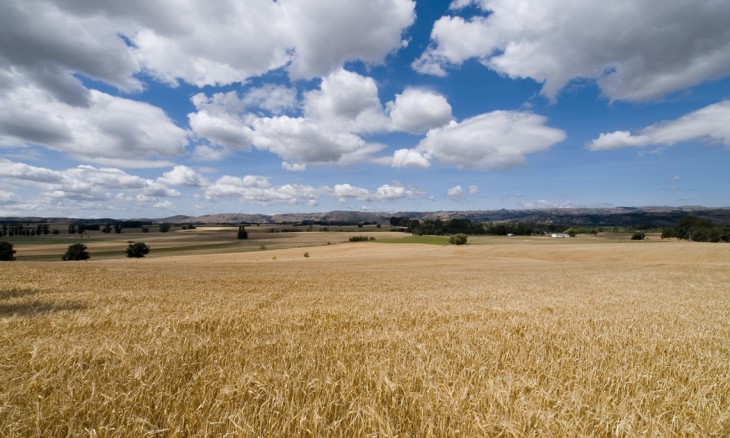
<point x="48" y="42"/>
<point x="209" y="153"/>
<point x="329" y="32"/>
<point x="458" y="192"/>
<point x="496" y="140"/>
<point x="164" y="205"/>
<point x="410" y="158"/>
<point x="25" y="172"/>
<point x="345" y="104"/>
<point x="416" y="111"/>
<point x="636" y="51"/>
<point x="110" y="130"/>
<point x="199" y="42"/>
<point x="293" y="167"/>
<point x="386" y="192"/>
<point x="84" y="187"/>
<point x="706" y="124"/>
<point x="300" y="140"/>
<point x="226" y="130"/>
<point x="455" y="191"/>
<point x="343" y="192"/>
<point x="260" y="191"/>
<point x="346" y="101"/>
<point x="389" y="192"/>
<point x="276" y="99"/>
<point x="183" y="176"/>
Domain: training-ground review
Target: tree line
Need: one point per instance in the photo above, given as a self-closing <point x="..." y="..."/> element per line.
<point x="697" y="229"/>
<point x="438" y="227"/>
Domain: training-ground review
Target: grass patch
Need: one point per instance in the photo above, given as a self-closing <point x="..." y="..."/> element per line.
<point x="427" y="240"/>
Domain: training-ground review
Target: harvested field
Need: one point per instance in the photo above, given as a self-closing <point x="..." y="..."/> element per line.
<point x="505" y="338"/>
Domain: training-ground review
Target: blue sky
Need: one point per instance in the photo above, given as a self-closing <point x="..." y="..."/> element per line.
<point x="165" y="107"/>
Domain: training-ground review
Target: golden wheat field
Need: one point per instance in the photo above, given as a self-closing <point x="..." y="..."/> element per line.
<point x="533" y="338"/>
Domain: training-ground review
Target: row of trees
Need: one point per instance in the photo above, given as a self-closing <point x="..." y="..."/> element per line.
<point x="466" y="226"/>
<point x="17" y="230"/>
<point x="14" y="229"/>
<point x="77" y="251"/>
<point x="697" y="229"/>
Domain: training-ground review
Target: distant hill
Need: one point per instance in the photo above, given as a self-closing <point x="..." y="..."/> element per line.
<point x="643" y="217"/>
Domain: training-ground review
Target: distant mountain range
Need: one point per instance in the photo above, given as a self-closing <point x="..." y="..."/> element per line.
<point x="618" y="216"/>
<point x="604" y="217"/>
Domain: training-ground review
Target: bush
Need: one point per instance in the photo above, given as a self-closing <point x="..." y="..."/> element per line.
<point x="164" y="228"/>
<point x="6" y="252"/>
<point x="137" y="250"/>
<point x="459" y="239"/>
<point x="361" y="238"/>
<point x="76" y="251"/>
<point x="638" y="236"/>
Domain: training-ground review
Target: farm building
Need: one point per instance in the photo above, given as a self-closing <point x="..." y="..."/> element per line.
<point x="559" y="235"/>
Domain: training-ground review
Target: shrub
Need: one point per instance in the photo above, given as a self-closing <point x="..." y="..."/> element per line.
<point x="306" y="254"/>
<point x="6" y="252"/>
<point x="76" y="251"/>
<point x="459" y="239"/>
<point x="638" y="236"/>
<point x="137" y="250"/>
<point x="361" y="238"/>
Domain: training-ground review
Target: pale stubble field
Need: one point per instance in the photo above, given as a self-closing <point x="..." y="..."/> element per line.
<point x="534" y="338"/>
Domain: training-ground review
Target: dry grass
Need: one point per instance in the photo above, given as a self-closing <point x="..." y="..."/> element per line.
<point x="520" y="339"/>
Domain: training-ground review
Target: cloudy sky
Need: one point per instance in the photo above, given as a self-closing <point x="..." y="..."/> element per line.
<point x="151" y="108"/>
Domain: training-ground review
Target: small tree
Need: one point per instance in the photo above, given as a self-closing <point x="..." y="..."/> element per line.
<point x="76" y="251"/>
<point x="242" y="233"/>
<point x="164" y="228"/>
<point x="6" y="252"/>
<point x="137" y="250"/>
<point x="459" y="239"/>
<point x="638" y="236"/>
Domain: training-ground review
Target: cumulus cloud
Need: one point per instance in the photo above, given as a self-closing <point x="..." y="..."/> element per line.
<point x="455" y="191"/>
<point x="46" y="43"/>
<point x="416" y="111"/>
<point x="386" y="192"/>
<point x="411" y="158"/>
<point x="346" y="101"/>
<point x="89" y="185"/>
<point x="496" y="140"/>
<point x="458" y="192"/>
<point x="344" y="105"/>
<point x="183" y="176"/>
<point x="635" y="51"/>
<point x="259" y="190"/>
<point x="301" y="140"/>
<point x="366" y="31"/>
<point x="110" y="130"/>
<point x="202" y="43"/>
<point x="706" y="124"/>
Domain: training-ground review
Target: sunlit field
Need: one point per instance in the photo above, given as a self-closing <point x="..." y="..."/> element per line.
<point x="503" y="337"/>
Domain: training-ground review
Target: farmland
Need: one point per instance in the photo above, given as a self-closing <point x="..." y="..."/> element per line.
<point x="510" y="337"/>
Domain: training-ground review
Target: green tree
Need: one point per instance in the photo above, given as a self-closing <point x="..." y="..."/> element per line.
<point x="459" y="239"/>
<point x="137" y="250"/>
<point x="639" y="235"/>
<point x="76" y="251"/>
<point x="6" y="252"/>
<point x="164" y="227"/>
<point x="242" y="233"/>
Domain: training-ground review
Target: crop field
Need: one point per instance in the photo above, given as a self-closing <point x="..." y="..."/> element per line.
<point x="503" y="337"/>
